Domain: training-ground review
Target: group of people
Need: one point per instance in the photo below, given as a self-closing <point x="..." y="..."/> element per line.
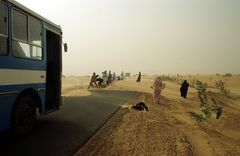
<point x="105" y="79"/>
<point x="108" y="78"/>
<point x="158" y="85"/>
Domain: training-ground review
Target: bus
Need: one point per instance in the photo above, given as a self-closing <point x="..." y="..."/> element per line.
<point x="30" y="67"/>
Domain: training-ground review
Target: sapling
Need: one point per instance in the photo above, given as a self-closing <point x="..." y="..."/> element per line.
<point x="221" y="86"/>
<point x="207" y="108"/>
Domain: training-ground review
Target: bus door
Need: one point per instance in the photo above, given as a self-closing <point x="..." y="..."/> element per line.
<point x="54" y="69"/>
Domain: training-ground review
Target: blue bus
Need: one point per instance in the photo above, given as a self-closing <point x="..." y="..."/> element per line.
<point x="30" y="67"/>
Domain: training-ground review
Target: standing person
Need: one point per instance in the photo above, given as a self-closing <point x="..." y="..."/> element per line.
<point x="114" y="77"/>
<point x="139" y="77"/>
<point x="157" y="88"/>
<point x="184" y="89"/>
<point x="105" y="78"/>
<point x="109" y="77"/>
<point x="93" y="80"/>
<point x="122" y="75"/>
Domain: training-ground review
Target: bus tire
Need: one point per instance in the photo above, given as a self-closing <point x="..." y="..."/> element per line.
<point x="23" y="116"/>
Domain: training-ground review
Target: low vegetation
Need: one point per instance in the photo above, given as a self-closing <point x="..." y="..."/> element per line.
<point x="221" y="87"/>
<point x="209" y="108"/>
<point x="176" y="79"/>
<point x="228" y="75"/>
<point x="168" y="78"/>
<point x="192" y="83"/>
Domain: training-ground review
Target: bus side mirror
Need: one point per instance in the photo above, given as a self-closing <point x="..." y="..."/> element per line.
<point x="65" y="47"/>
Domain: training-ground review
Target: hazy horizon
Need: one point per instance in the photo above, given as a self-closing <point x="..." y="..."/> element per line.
<point x="151" y="36"/>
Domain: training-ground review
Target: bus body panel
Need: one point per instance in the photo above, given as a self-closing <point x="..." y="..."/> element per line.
<point x="6" y="103"/>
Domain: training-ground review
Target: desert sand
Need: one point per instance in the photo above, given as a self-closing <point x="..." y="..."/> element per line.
<point x="168" y="128"/>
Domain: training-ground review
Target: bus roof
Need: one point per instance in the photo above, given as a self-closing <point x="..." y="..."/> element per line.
<point x="33" y="13"/>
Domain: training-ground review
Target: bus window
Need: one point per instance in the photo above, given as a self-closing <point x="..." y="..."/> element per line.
<point x="3" y="29"/>
<point x="23" y="46"/>
<point x="35" y="30"/>
<point x="35" y="37"/>
<point x="20" y="26"/>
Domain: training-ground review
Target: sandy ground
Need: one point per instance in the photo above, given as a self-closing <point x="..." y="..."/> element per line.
<point x="167" y="129"/>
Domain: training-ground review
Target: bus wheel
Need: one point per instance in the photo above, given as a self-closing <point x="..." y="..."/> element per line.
<point x="23" y="116"/>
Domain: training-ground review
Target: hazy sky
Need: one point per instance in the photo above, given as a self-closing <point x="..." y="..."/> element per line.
<point x="152" y="36"/>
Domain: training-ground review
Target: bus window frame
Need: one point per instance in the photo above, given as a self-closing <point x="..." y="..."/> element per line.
<point x="7" y="34"/>
<point x="28" y="34"/>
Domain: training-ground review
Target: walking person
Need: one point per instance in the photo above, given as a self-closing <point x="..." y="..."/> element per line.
<point x="184" y="89"/>
<point x="157" y="88"/>
<point x="139" y="77"/>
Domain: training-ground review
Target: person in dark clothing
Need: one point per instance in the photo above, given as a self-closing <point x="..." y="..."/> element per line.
<point x="184" y="89"/>
<point x="139" y="77"/>
<point x="140" y="106"/>
<point x="99" y="82"/>
<point x="109" y="77"/>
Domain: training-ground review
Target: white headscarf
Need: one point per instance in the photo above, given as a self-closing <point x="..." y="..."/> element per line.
<point x="157" y="81"/>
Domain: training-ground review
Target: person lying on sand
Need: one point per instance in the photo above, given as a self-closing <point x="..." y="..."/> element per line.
<point x="140" y="106"/>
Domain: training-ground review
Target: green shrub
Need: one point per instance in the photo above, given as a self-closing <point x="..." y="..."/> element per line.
<point x="221" y="87"/>
<point x="207" y="108"/>
<point x="198" y="117"/>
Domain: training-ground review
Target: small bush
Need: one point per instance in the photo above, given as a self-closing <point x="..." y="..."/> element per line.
<point x="200" y="86"/>
<point x="198" y="117"/>
<point x="216" y="108"/>
<point x="228" y="75"/>
<point x="207" y="108"/>
<point x="169" y="78"/>
<point x="221" y="87"/>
